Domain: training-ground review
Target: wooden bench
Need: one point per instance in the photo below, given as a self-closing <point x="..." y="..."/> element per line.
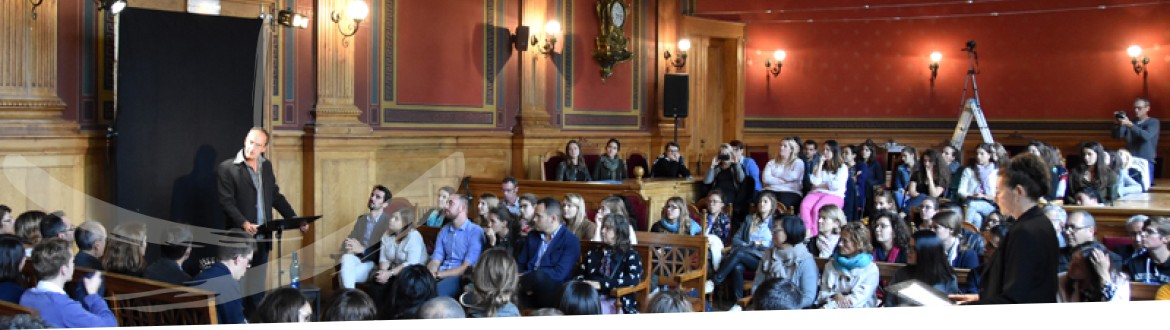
<point x="678" y="261"/>
<point x="8" y="309"/>
<point x="1139" y="291"/>
<point x="142" y="302"/>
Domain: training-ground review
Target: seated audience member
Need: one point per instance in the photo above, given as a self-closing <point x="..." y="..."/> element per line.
<point x="676" y="219"/>
<point x="884" y="201"/>
<point x="90" y="237"/>
<point x="931" y="179"/>
<point x="669" y="301"/>
<point x="547" y="311"/>
<point x="579" y="298"/>
<point x="784" y="175"/>
<point x="616" y="264"/>
<point x="503" y="231"/>
<point x="126" y="252"/>
<point x="750" y="167"/>
<point x="401" y="246"/>
<point x="456" y="248"/>
<point x="1153" y="266"/>
<point x="351" y="305"/>
<point x="728" y="177"/>
<point x="992" y="220"/>
<point x="175" y="249"/>
<point x="23" y="321"/>
<point x="1058" y="216"/>
<point x="283" y="305"/>
<point x="28" y="228"/>
<point x="855" y="192"/>
<point x="7" y="222"/>
<point x="1124" y="184"/>
<point x="670" y="164"/>
<point x="828" y="180"/>
<point x="891" y="238"/>
<point x="811" y="156"/>
<point x="11" y="263"/>
<point x="610" y="167"/>
<point x="1135" y="168"/>
<point x="527" y="212"/>
<point x="223" y="277"/>
<point x="441" y="308"/>
<point x="576" y="219"/>
<point x="1081" y="229"/>
<point x="788" y="261"/>
<point x="777" y="294"/>
<point x="748" y="245"/>
<point x="437" y="217"/>
<point x="411" y="288"/>
<point x="494" y="283"/>
<point x="53" y="263"/>
<point x="511" y="189"/>
<point x="1091" y="277"/>
<point x="1094" y="173"/>
<point x="929" y="264"/>
<point x="977" y="185"/>
<point x="549" y="255"/>
<point x="1133" y="228"/>
<point x="902" y="175"/>
<point x="360" y="248"/>
<point x="613" y="204"/>
<point x="851" y="277"/>
<point x="487" y="202"/>
<point x="56" y="224"/>
<point x="718" y="223"/>
<point x="573" y="168"/>
<point x="1087" y="196"/>
<point x="829" y="233"/>
<point x="948" y="226"/>
<point x="873" y="172"/>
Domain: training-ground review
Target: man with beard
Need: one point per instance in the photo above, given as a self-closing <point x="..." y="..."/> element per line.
<point x="360" y="249"/>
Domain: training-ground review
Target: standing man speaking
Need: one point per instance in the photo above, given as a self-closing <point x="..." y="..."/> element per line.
<point x="1140" y="134"/>
<point x="248" y="192"/>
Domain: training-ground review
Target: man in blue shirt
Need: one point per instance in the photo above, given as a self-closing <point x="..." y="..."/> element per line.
<point x="749" y="164"/>
<point x="53" y="263"/>
<point x="457" y="248"/>
<point x="549" y="255"/>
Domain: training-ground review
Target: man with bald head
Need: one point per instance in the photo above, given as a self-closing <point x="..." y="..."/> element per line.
<point x="457" y="247"/>
<point x="1080" y="229"/>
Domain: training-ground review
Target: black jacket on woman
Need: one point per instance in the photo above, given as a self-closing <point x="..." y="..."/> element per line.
<point x="1023" y="269"/>
<point x="625" y="269"/>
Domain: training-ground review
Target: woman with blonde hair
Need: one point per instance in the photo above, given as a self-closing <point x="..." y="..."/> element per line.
<point x="831" y="219"/>
<point x="676" y="219"/>
<point x="784" y="175"/>
<point x="616" y="264"/>
<point x="126" y="250"/>
<point x="495" y="282"/>
<point x="850" y="278"/>
<point x="575" y="218"/>
<point x="487" y="202"/>
<point x="613" y="204"/>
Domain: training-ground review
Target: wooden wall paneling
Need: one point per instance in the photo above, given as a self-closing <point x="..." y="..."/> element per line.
<point x="343" y="171"/>
<point x="716" y="103"/>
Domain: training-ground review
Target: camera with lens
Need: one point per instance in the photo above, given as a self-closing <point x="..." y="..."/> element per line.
<point x="1119" y="115"/>
<point x="724" y="157"/>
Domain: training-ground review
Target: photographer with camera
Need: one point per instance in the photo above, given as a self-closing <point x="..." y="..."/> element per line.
<point x="727" y="175"/>
<point x="1140" y="134"/>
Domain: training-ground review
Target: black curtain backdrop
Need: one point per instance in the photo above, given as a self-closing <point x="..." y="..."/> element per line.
<point x="185" y="103"/>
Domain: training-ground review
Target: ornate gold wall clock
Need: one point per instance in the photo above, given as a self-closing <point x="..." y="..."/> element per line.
<point x="612" y="45"/>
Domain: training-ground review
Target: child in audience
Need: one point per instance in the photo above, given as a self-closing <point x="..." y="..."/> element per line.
<point x="676" y="219"/>
<point x="53" y="262"/>
<point x="850" y="277"/>
<point x="351" y="305"/>
<point x="825" y="242"/>
<point x="883" y="200"/>
<point x="283" y="305"/>
<point x="527" y="212"/>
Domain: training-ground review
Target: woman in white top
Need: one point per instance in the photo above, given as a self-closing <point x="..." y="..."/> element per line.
<point x="402" y="246"/>
<point x="977" y="185"/>
<point x="829" y="179"/>
<point x="850" y="278"/>
<point x="785" y="174"/>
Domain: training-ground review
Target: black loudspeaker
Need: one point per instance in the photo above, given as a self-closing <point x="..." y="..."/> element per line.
<point x="521" y="38"/>
<point x="675" y="95"/>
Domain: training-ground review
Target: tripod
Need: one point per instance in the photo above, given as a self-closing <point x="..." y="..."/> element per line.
<point x="971" y="108"/>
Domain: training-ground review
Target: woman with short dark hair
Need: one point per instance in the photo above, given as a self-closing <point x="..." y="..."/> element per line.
<point x="351" y="305"/>
<point x="579" y="298"/>
<point x="283" y="305"/>
<point x="789" y="260"/>
<point x="928" y="264"/>
<point x="614" y="265"/>
<point x="413" y="286"/>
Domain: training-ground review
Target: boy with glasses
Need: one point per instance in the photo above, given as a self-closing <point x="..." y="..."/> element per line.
<point x="1153" y="266"/>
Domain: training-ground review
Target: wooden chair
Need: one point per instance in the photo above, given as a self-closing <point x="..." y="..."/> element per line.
<point x="642" y="290"/>
<point x="635" y="160"/>
<point x="549" y="163"/>
<point x="9" y="309"/>
<point x="639" y="210"/>
<point x="141" y="302"/>
<point x="678" y="261"/>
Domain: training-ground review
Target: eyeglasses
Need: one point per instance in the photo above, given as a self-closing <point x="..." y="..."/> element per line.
<point x="1074" y="228"/>
<point x="1149" y="232"/>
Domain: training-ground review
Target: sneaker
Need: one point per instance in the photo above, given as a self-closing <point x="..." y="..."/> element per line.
<point x="735" y="308"/>
<point x="709" y="287"/>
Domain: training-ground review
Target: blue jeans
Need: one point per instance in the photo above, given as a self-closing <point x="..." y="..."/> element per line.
<point x="449" y="287"/>
<point x="734" y="265"/>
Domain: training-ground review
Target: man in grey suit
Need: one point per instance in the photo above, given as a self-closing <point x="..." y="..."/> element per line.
<point x="360" y="249"/>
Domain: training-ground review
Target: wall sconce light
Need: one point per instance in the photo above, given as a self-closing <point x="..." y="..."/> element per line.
<point x="35" y="4"/>
<point x="779" y="56"/>
<point x="934" y="58"/>
<point x="113" y="6"/>
<point x="681" y="60"/>
<point x="287" y="17"/>
<point x="1135" y="52"/>
<point x="357" y="10"/>
<point x="549" y="44"/>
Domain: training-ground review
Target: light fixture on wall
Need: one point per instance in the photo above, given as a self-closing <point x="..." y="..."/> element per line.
<point x="774" y="69"/>
<point x="934" y="58"/>
<point x="549" y="44"/>
<point x="35" y="4"/>
<point x="287" y="17"/>
<point x="681" y="60"/>
<point x="356" y="10"/>
<point x="112" y="6"/>
<point x="1139" y="61"/>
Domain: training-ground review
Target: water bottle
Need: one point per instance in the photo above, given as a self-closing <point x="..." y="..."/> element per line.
<point x="294" y="273"/>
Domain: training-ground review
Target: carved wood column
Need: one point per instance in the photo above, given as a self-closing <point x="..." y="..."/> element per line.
<point x="533" y="119"/>
<point x="335" y="111"/>
<point x="28" y="69"/>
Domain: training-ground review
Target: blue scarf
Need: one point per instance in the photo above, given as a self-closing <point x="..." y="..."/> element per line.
<point x="846" y="264"/>
<point x="671" y="227"/>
